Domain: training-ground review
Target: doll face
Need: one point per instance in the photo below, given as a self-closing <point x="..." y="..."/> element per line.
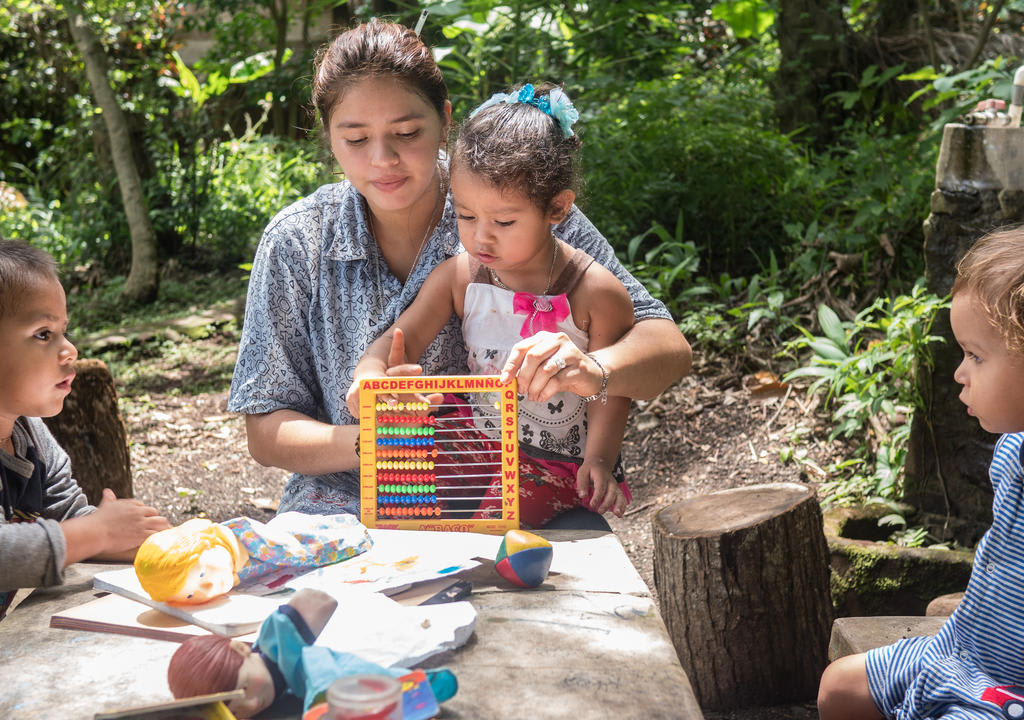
<point x="212" y="575"/>
<point x="255" y="680"/>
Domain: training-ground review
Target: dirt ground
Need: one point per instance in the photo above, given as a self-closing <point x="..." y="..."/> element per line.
<point x="718" y="428"/>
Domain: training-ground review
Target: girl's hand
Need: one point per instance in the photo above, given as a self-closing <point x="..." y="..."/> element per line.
<point x="548" y="363"/>
<point x="597" y="488"/>
<point x="398" y="366"/>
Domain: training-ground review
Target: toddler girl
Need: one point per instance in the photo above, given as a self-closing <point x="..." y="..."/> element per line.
<point x="513" y="174"/>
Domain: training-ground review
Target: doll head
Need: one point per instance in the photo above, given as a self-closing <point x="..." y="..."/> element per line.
<point x="212" y="664"/>
<point x="191" y="563"/>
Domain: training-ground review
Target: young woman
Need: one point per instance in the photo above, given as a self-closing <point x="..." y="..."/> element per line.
<point x="336" y="269"/>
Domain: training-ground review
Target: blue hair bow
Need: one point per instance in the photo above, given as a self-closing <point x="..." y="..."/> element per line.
<point x="556" y="104"/>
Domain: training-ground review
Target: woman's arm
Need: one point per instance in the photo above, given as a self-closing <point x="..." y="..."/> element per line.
<point x="651" y="356"/>
<point x="645" y="361"/>
<point x="289" y="440"/>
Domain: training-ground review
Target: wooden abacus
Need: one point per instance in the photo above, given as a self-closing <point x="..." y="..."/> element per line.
<point x="411" y="476"/>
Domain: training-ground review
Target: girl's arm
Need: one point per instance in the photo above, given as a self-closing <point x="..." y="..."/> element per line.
<point x="610" y="312"/>
<point x="419" y="324"/>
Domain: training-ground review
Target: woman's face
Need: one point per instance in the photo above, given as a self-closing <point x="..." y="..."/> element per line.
<point x="386" y="139"/>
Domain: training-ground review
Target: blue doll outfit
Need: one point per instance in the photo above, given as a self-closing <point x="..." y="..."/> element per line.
<point x="306" y="670"/>
<point x="969" y="669"/>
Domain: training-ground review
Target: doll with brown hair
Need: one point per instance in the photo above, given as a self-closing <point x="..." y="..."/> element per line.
<point x="283" y="660"/>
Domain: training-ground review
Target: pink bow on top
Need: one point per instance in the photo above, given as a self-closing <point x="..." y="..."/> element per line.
<point x="544" y="313"/>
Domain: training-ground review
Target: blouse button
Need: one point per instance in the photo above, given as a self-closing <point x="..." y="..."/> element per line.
<point x="990" y="568"/>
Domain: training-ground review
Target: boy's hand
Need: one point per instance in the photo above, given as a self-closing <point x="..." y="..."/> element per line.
<point x="125" y="522"/>
<point x="597" y="488"/>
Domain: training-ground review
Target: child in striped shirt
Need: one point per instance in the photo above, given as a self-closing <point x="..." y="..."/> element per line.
<point x="974" y="667"/>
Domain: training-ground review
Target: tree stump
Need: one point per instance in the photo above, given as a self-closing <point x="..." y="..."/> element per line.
<point x="92" y="432"/>
<point x="743" y="584"/>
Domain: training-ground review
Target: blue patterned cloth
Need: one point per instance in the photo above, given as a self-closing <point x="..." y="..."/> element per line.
<point x="957" y="673"/>
<point x="315" y="305"/>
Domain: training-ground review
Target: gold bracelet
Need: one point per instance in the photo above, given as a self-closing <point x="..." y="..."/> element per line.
<point x="603" y="392"/>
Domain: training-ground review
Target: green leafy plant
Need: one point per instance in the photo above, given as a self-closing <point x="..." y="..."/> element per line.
<point x="952" y="94"/>
<point x="867" y="370"/>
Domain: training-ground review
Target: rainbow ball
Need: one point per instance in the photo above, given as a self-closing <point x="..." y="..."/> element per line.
<point x="523" y="558"/>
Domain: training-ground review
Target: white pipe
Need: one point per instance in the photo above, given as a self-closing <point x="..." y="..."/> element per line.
<point x="1017" y="99"/>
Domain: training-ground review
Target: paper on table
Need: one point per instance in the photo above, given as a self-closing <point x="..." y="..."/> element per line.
<point x="399" y="558"/>
<point x="231" y="615"/>
<point x="378" y="629"/>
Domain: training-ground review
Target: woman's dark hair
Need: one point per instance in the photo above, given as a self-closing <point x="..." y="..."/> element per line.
<point x="376" y="49"/>
<point x="518" y="146"/>
<point x="22" y="266"/>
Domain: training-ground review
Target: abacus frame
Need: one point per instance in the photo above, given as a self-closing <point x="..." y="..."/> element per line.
<point x="371" y="392"/>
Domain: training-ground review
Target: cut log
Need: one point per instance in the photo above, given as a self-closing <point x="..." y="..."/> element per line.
<point x="92" y="432"/>
<point x="743" y="584"/>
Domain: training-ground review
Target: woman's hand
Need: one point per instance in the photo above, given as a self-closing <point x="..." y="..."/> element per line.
<point x="597" y="489"/>
<point x="548" y="363"/>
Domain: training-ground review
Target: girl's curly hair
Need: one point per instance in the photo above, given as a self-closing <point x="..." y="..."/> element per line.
<point x="993" y="271"/>
<point x="519" y="147"/>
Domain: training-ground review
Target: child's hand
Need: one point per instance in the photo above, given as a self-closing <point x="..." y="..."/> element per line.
<point x="597" y="488"/>
<point x="398" y="366"/>
<point x="125" y="522"/>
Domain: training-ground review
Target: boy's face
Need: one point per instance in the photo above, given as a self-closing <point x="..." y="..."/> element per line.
<point x="36" y="363"/>
<point x="992" y="376"/>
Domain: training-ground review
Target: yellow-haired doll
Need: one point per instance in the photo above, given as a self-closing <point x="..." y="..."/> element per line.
<point x="191" y="563"/>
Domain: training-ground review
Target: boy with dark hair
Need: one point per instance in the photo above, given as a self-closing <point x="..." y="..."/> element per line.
<point x="46" y="522"/>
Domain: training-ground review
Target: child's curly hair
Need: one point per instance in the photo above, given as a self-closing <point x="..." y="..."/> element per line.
<point x="993" y="271"/>
<point x="520" y="147"/>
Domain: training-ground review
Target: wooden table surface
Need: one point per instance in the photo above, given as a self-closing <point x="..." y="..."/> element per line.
<point x="589" y="643"/>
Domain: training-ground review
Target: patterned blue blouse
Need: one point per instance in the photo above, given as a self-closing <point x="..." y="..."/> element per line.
<point x="320" y="292"/>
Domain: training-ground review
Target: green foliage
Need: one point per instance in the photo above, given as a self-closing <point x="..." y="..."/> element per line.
<point x="953" y="94"/>
<point x="871" y="194"/>
<point x="866" y="370"/>
<point x="247" y="181"/>
<point x="719" y="315"/>
<point x="732" y="180"/>
<point x="747" y="18"/>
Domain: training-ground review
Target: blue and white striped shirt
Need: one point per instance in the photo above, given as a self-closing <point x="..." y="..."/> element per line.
<point x="981" y="646"/>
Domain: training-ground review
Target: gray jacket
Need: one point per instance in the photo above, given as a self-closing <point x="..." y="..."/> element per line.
<point x="33" y="553"/>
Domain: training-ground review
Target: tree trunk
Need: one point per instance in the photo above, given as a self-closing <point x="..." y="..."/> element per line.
<point x="92" y="432"/>
<point x="815" y="56"/>
<point x="141" y="285"/>
<point x="743" y="584"/>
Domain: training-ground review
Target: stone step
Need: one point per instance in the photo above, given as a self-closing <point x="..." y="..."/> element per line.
<point x="852" y="635"/>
